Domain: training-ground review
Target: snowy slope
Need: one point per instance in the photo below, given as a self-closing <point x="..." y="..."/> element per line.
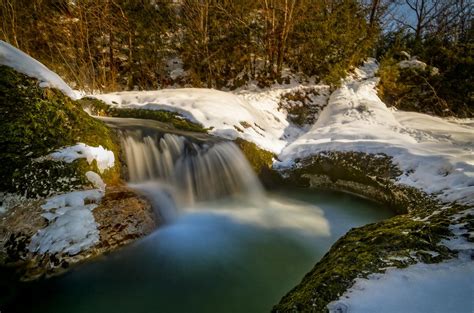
<point x="23" y="63"/>
<point x="436" y="155"/>
<point x="251" y="116"/>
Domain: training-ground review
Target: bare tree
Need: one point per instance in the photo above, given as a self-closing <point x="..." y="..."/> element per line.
<point x="433" y="16"/>
<point x="280" y="17"/>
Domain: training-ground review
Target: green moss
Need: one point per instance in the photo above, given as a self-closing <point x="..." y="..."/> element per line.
<point x="100" y="108"/>
<point x="261" y="162"/>
<point x="34" y="121"/>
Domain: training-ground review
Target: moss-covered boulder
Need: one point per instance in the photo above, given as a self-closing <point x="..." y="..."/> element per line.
<point x="368" y="175"/>
<point x="35" y="121"/>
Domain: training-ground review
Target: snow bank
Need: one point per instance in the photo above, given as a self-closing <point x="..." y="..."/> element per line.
<point x="23" y="63"/>
<point x="434" y="288"/>
<point x="436" y="155"/>
<point x="72" y="227"/>
<point x="249" y="115"/>
<point x="105" y="158"/>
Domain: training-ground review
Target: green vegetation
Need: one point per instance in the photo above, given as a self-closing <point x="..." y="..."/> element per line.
<point x="445" y="87"/>
<point x="121" y="44"/>
<point x="35" y="121"/>
<point x="426" y="90"/>
<point x="100" y="108"/>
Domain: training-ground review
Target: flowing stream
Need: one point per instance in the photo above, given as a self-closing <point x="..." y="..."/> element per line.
<point x="226" y="246"/>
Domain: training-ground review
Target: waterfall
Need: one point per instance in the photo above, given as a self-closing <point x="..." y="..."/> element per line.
<point x="191" y="170"/>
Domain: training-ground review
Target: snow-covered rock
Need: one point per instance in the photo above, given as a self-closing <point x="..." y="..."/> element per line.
<point x="23" y="63"/>
<point x="95" y="180"/>
<point x="72" y="227"/>
<point x="105" y="158"/>
<point x="251" y="116"/>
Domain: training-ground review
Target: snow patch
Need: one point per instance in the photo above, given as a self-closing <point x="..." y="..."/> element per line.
<point x="23" y="63"/>
<point x="72" y="227"/>
<point x="105" y="158"/>
<point x="96" y="180"/>
<point x="434" y="288"/>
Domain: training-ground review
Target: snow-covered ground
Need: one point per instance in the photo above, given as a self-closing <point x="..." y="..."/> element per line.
<point x="436" y="155"/>
<point x="23" y="63"/>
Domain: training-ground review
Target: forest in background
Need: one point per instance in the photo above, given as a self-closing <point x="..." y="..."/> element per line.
<point x="111" y="45"/>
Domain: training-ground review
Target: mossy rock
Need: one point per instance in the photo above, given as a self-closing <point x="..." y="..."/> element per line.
<point x="369" y="175"/>
<point x="35" y="121"/>
<point x="100" y="108"/>
<point x="261" y="162"/>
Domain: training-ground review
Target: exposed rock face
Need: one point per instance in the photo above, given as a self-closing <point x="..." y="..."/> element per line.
<point x="368" y="175"/>
<point x="17" y="226"/>
<point x="123" y="216"/>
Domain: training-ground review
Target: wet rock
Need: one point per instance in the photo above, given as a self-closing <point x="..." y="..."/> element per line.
<point x="123" y="217"/>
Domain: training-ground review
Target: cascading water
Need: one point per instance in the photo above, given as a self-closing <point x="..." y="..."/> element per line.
<point x="222" y="255"/>
<point x="186" y="169"/>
